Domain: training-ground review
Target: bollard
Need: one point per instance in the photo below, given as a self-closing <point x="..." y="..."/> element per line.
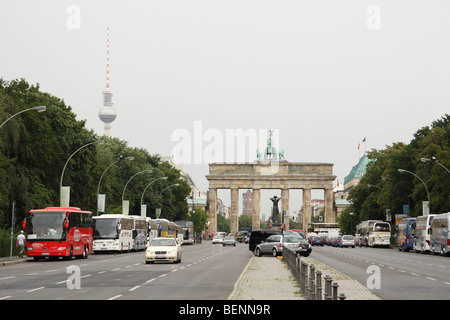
<point x="319" y="285"/>
<point x="335" y="290"/>
<point x="328" y="281"/>
<point x="342" y="296"/>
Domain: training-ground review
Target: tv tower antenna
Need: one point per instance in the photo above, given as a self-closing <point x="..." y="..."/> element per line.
<point x="107" y="113"/>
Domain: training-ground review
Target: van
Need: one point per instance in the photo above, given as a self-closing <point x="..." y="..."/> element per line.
<point x="256" y="236"/>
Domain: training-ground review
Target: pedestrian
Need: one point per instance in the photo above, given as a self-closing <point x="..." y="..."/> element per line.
<point x="21" y="243"/>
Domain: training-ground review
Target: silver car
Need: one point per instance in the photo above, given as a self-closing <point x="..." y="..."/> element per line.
<point x="229" y="241"/>
<point x="347" y="241"/>
<point x="275" y="243"/>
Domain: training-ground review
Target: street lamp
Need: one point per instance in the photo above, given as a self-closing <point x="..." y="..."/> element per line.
<point x="142" y="197"/>
<point x="172" y="185"/>
<point x="123" y="193"/>
<point x="434" y="160"/>
<point x="428" y="194"/>
<point x="38" y="109"/>
<point x="65" y="165"/>
<point x="119" y="159"/>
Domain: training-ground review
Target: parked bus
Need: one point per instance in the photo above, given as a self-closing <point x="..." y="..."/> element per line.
<point x="404" y="234"/>
<point x="152" y="229"/>
<point x="163" y="227"/>
<point x="188" y="231"/>
<point x="440" y="239"/>
<point x="374" y="233"/>
<point x="422" y="233"/>
<point x="358" y="234"/>
<point x="58" y="232"/>
<point x="113" y="232"/>
<point x="172" y="233"/>
<point x="140" y="232"/>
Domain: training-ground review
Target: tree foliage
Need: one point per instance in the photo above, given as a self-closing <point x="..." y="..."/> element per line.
<point x="35" y="146"/>
<point x="384" y="187"/>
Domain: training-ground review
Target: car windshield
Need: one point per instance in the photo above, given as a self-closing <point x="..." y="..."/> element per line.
<point x="229" y="238"/>
<point x="46" y="226"/>
<point x="217" y="237"/>
<point x="348" y="238"/>
<point x="163" y="243"/>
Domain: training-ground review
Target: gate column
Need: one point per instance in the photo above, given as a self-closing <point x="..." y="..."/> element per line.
<point x="256" y="209"/>
<point x="212" y="210"/>
<point x="234" y="211"/>
<point x="306" y="209"/>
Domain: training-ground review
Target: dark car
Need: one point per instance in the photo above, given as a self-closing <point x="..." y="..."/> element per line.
<point x="256" y="236"/>
<point x="274" y="245"/>
<point x="317" y="241"/>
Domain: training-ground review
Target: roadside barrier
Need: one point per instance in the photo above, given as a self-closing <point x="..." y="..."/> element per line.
<point x="310" y="279"/>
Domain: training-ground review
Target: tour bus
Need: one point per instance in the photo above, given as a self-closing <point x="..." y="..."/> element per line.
<point x="358" y="234"/>
<point x="140" y="233"/>
<point x="405" y="232"/>
<point x="58" y="232"/>
<point x="188" y="231"/>
<point x="374" y="233"/>
<point x="152" y="229"/>
<point x="180" y="236"/>
<point x="440" y="239"/>
<point x="163" y="227"/>
<point x="172" y="233"/>
<point x="422" y="233"/>
<point x="166" y="228"/>
<point x="113" y="232"/>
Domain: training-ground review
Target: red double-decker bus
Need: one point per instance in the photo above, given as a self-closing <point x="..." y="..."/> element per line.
<point x="59" y="232"/>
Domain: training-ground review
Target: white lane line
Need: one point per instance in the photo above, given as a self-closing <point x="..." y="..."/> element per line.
<point x="115" y="297"/>
<point x="134" y="288"/>
<point x="32" y="290"/>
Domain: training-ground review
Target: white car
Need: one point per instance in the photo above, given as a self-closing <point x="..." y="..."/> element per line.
<point x="217" y="239"/>
<point x="163" y="249"/>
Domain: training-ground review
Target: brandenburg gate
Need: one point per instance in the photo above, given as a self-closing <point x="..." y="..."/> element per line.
<point x="269" y="174"/>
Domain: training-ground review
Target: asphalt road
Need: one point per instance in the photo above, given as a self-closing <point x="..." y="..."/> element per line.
<point x="206" y="272"/>
<point x="402" y="275"/>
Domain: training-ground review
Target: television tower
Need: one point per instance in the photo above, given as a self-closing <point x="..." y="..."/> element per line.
<point x="107" y="113"/>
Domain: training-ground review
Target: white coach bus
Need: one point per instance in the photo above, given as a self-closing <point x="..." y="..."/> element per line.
<point x="375" y="233"/>
<point x="439" y="239"/>
<point x="113" y="232"/>
<point x="422" y="234"/>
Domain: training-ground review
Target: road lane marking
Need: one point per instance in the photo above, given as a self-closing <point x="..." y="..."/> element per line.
<point x="115" y="297"/>
<point x="32" y="290"/>
<point x="429" y="278"/>
<point x="7" y="278"/>
<point x="134" y="288"/>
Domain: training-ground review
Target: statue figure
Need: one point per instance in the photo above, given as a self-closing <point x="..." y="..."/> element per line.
<point x="275" y="211"/>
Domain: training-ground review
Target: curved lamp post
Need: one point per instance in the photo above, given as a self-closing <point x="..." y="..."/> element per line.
<point x="428" y="194"/>
<point x="38" y="109"/>
<point x="101" y="177"/>
<point x="142" y="197"/>
<point x="65" y="165"/>
<point x="434" y="160"/>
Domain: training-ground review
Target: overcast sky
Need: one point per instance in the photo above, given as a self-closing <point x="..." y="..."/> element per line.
<point x="325" y="74"/>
